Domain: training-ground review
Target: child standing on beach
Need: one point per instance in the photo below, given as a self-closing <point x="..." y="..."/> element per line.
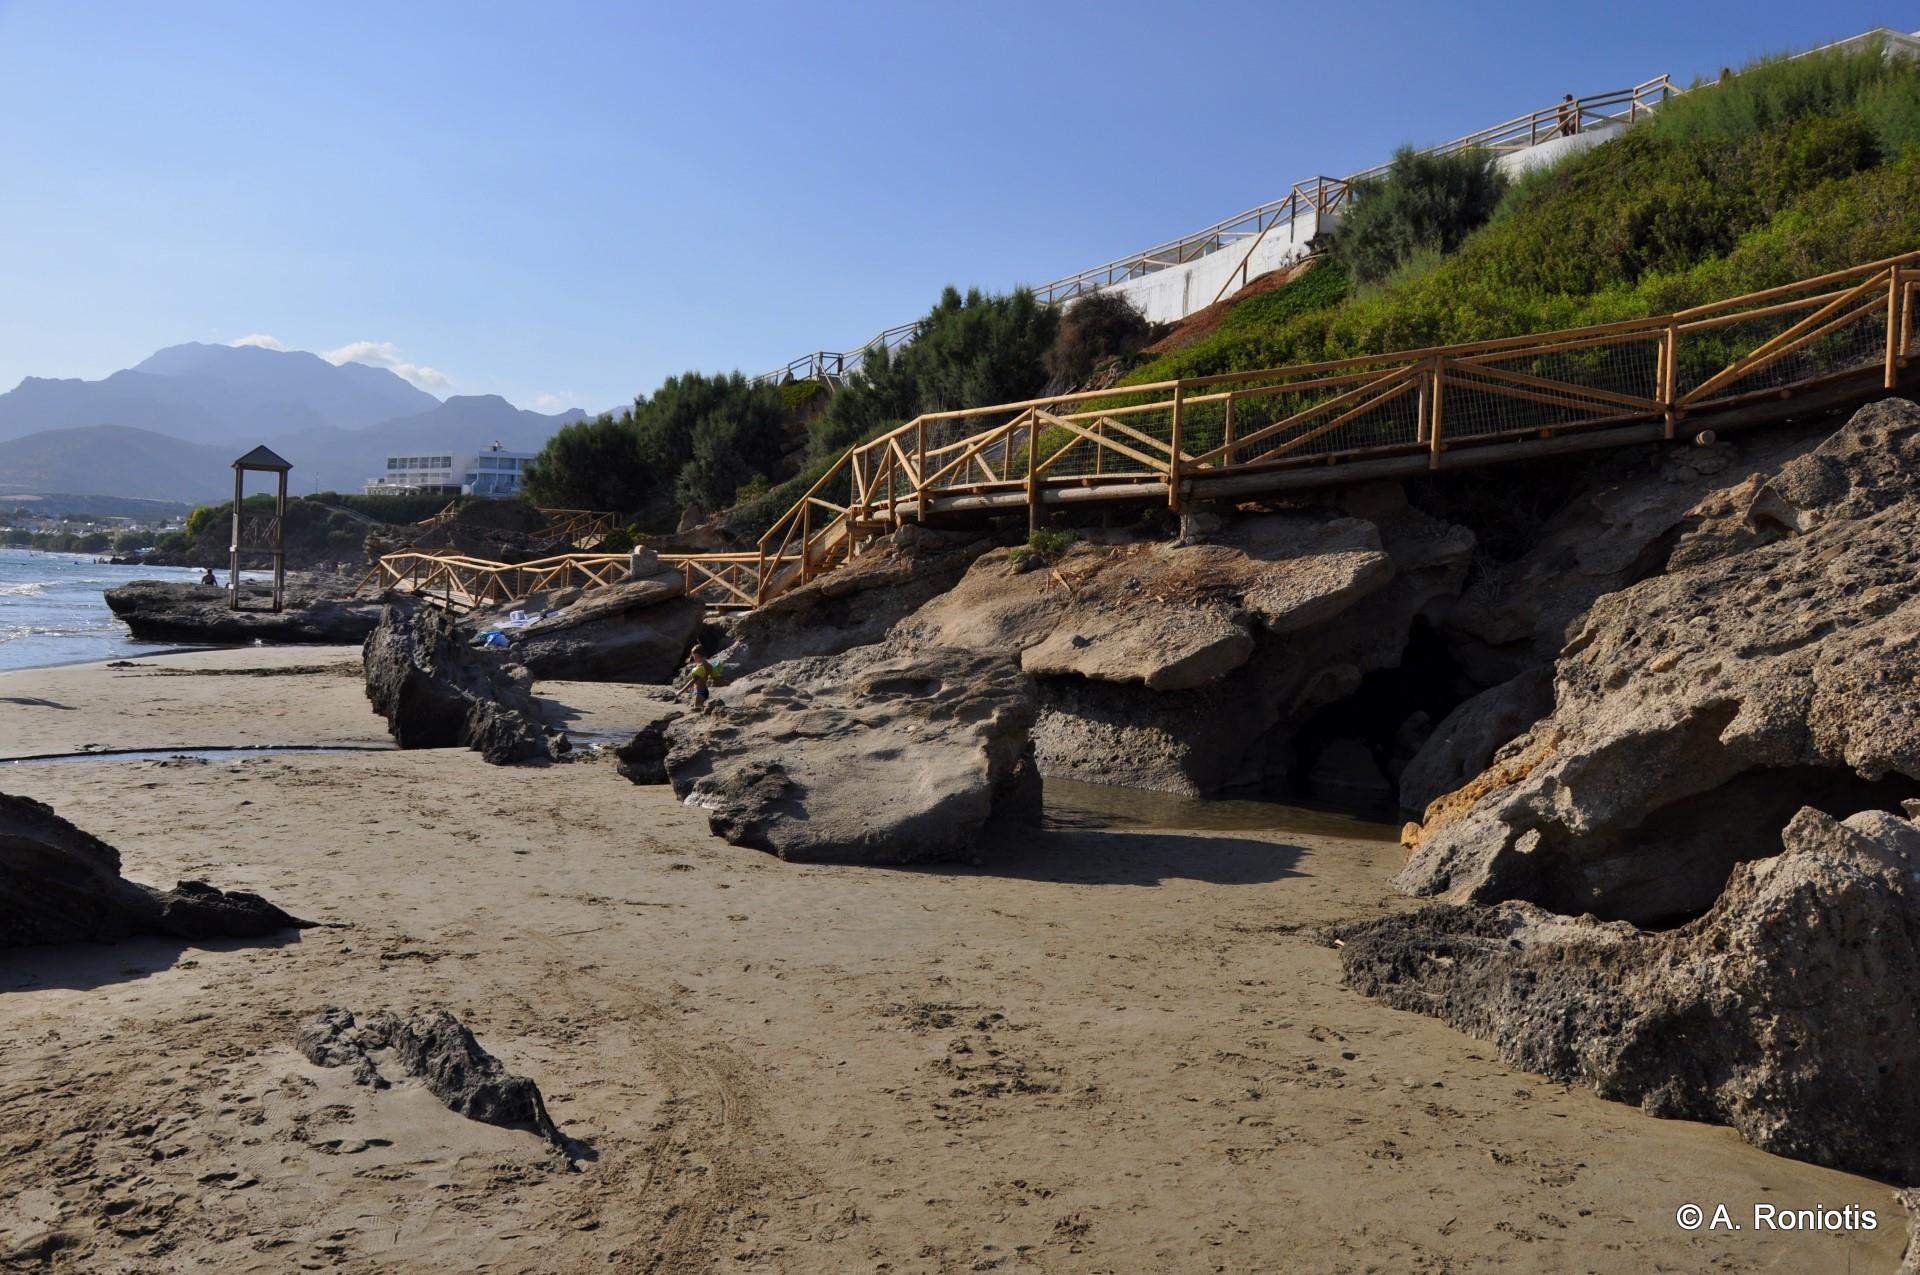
<point x="700" y="674"/>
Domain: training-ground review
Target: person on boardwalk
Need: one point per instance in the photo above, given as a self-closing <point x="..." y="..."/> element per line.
<point x="1568" y="114"/>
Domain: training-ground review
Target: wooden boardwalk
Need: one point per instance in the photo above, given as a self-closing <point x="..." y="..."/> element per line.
<point x="1789" y="351"/>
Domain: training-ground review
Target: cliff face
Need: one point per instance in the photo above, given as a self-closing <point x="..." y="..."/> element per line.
<point x="1773" y="665"/>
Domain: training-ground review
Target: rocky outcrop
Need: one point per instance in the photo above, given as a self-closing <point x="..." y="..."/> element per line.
<point x="1464" y="742"/>
<point x="1614" y="519"/>
<point x="436" y="1048"/>
<point x="643" y="759"/>
<point x="1696" y="710"/>
<point x="854" y="604"/>
<point x="635" y="631"/>
<point x="437" y="692"/>
<point x="61" y="885"/>
<point x="866" y="757"/>
<point x="1190" y="667"/>
<point x="161" y="611"/>
<point x="1788" y="1011"/>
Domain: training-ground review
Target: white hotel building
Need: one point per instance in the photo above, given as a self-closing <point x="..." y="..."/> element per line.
<point x="493" y="471"/>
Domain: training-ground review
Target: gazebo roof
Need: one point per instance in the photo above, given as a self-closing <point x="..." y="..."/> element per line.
<point x="263" y="457"/>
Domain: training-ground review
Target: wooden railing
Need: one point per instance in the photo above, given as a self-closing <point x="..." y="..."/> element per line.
<point x="1313" y="424"/>
<point x="577" y="527"/>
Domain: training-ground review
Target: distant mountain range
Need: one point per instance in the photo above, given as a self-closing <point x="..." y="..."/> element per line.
<point x="170" y="427"/>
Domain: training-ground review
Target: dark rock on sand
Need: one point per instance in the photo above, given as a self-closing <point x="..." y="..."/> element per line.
<point x="61" y="885"/>
<point x="438" y="1049"/>
<point x="1788" y="1011"/>
<point x="437" y="692"/>
<point x="643" y="759"/>
<point x="866" y="757"/>
<point x="636" y="631"/>
<point x="1697" y="710"/>
<point x="160" y="611"/>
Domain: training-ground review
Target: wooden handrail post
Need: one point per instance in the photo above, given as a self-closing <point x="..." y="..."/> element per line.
<point x="1439" y="403"/>
<point x="920" y="471"/>
<point x="1173" y="434"/>
<point x="1893" y="326"/>
<point x="1033" y="469"/>
<point x="1226" y="461"/>
<point x="1669" y="375"/>
<point x="806" y="542"/>
<point x="1423" y="411"/>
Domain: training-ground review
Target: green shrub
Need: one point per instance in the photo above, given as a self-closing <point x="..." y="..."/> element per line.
<point x="1094" y="329"/>
<point x="1045" y="544"/>
<point x="1424" y="203"/>
<point x="797" y="396"/>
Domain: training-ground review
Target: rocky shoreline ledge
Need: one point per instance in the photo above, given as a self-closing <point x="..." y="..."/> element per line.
<point x="1659" y="727"/>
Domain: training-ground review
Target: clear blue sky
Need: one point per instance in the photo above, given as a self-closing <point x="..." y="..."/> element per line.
<point x="565" y="202"/>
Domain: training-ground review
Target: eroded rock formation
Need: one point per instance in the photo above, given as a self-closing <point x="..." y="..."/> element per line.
<point x="1775" y="664"/>
<point x="59" y="884"/>
<point x="854" y="604"/>
<point x="437" y="692"/>
<point x="1189" y="667"/>
<point x="866" y="757"/>
<point x="1788" y="1011"/>
<point x="161" y="611"/>
<point x="636" y="631"/>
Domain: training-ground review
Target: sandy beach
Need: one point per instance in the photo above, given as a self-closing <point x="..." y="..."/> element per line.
<point x="1109" y="1047"/>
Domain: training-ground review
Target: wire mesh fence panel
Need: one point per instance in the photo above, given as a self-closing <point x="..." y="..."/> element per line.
<point x="1065" y="454"/>
<point x="1628" y="366"/>
<point x="1383" y="413"/>
<point x="1481" y="407"/>
<point x="1853" y="338"/>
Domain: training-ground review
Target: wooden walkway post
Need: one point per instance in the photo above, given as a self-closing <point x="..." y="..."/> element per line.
<point x="1439" y="405"/>
<point x="1174" y="436"/>
<point x="1033" y="470"/>
<point x="1893" y="326"/>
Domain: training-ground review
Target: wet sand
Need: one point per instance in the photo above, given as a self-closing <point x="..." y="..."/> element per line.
<point x="1111" y="1046"/>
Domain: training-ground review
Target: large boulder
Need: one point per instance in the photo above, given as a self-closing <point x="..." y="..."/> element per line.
<point x="865" y="757"/>
<point x="61" y="885"/>
<point x="855" y="603"/>
<point x="634" y="631"/>
<point x="1788" y="1011"/>
<point x="162" y="611"/>
<point x="1191" y="666"/>
<point x="437" y="692"/>
<point x="1697" y="710"/>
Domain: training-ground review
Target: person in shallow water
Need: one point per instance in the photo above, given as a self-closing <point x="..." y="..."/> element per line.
<point x="206" y="577"/>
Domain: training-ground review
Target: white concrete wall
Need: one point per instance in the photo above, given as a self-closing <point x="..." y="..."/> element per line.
<point x="1166" y="296"/>
<point x="1555" y="149"/>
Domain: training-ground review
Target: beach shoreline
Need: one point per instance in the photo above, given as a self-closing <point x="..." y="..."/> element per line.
<point x="1101" y="1049"/>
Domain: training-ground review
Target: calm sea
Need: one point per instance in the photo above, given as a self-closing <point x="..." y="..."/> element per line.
<point x="52" y="610"/>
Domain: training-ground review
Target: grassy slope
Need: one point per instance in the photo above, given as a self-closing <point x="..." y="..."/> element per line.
<point x="1788" y="170"/>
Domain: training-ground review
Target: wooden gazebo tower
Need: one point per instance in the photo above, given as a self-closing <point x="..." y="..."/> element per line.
<point x="259" y="535"/>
